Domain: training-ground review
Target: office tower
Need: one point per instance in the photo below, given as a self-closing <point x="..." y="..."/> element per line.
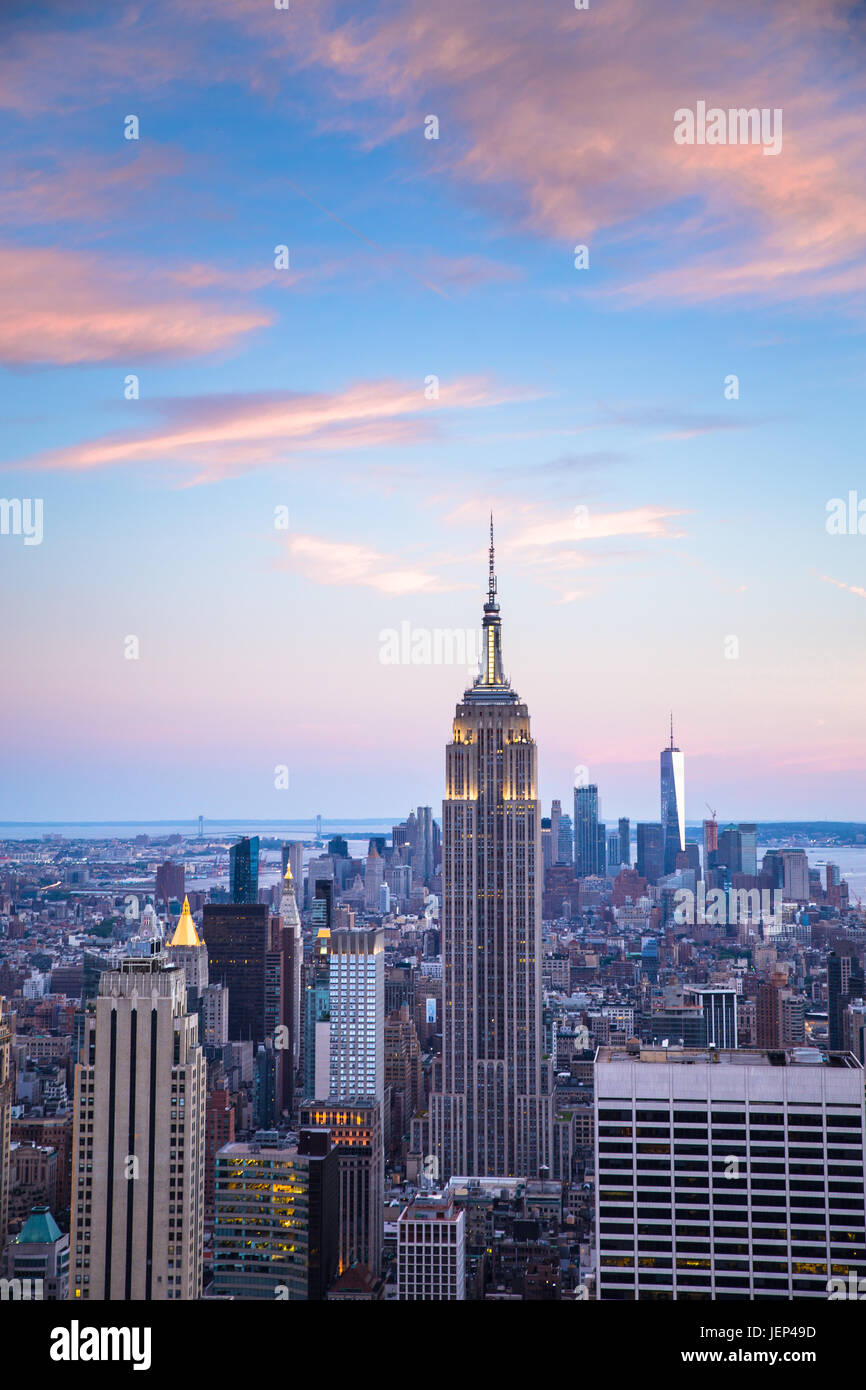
<point x="219" y="1123"/>
<point x="682" y="1222"/>
<point x="138" y="1143"/>
<point x="833" y="877"/>
<point x="244" y="870"/>
<point x="768" y="1015"/>
<point x="215" y="1016"/>
<point x="490" y="1111"/>
<point x="719" y="1006"/>
<point x="586" y="810"/>
<point x="845" y="984"/>
<point x="650" y="851"/>
<point x="566" y="840"/>
<point x="546" y="843"/>
<point x="356" y="1130"/>
<point x="748" y="849"/>
<point x="422" y="860"/>
<point x="322" y="902"/>
<point x="613" y="854"/>
<point x="338" y="847"/>
<point x="403" y="1068"/>
<point x="673" y="794"/>
<point x="356" y="964"/>
<point x="316" y="1052"/>
<point x="292" y="857"/>
<point x="39" y="1257"/>
<point x="237" y="941"/>
<point x="169" y="882"/>
<point x="288" y="941"/>
<point x="275" y="1227"/>
<point x="601" y="850"/>
<point x="555" y="826"/>
<point x="187" y="951"/>
<point x="730" y="850"/>
<point x="625" y="841"/>
<point x="431" y="1250"/>
<point x="6" y="1099"/>
<point x="374" y="875"/>
<point x="711" y="844"/>
<point x="795" y="867"/>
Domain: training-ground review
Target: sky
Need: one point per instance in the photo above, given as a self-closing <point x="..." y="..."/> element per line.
<point x="266" y="368"/>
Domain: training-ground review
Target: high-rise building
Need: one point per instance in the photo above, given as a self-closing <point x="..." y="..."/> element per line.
<point x="845" y="984"/>
<point x="795" y="867"/>
<point x="711" y="843"/>
<point x="586" y="828"/>
<point x="613" y="855"/>
<point x="625" y="841"/>
<point x="276" y="1222"/>
<point x="566" y="840"/>
<point x="729" y="850"/>
<point x="356" y="965"/>
<point x="292" y="857"/>
<point x="237" y="943"/>
<point x="748" y="849"/>
<point x="374" y="877"/>
<point x="138" y="1145"/>
<point x="673" y="813"/>
<point x="555" y="826"/>
<point x="431" y="1253"/>
<point x="754" y="1188"/>
<point x="286" y="961"/>
<point x="650" y="851"/>
<point x="6" y="1099"/>
<point x="189" y="952"/>
<point x="244" y="870"/>
<point x="491" y="1107"/>
<point x="316" y="1050"/>
<point x="357" y="1133"/>
<point x="720" y="1011"/>
<point x="169" y="882"/>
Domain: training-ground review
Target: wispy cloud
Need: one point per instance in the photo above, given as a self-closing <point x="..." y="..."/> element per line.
<point x="69" y="308"/>
<point x="839" y="584"/>
<point x="208" y="437"/>
<point x="345" y="563"/>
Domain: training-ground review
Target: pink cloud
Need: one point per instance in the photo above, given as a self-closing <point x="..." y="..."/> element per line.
<point x="216" y="436"/>
<point x="68" y="308"/>
<point x="346" y="563"/>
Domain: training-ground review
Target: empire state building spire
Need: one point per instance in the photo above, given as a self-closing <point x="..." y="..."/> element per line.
<point x="490" y="683"/>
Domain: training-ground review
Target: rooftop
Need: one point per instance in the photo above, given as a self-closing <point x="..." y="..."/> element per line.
<point x="732" y="1057"/>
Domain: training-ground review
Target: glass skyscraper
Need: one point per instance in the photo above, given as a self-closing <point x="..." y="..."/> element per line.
<point x="244" y="870"/>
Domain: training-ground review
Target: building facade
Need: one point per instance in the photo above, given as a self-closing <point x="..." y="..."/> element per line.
<point x="491" y="1105"/>
<point x="138" y="1143"/>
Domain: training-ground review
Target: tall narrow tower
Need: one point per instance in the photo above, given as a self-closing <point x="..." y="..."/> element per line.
<point x="673" y="791"/>
<point x="138" y="1139"/>
<point x="490" y="1111"/>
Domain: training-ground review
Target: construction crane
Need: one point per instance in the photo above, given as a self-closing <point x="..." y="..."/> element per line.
<point x="710" y="809"/>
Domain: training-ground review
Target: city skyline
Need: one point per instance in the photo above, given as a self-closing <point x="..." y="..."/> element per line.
<point x="323" y="439"/>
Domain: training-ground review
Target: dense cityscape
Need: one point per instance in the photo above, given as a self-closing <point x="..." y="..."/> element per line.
<point x="499" y="1055"/>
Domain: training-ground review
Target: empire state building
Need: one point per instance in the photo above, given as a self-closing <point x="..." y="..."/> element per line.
<point x="490" y="1110"/>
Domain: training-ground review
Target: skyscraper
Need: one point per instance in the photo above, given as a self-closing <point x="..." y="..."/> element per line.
<point x="673" y="791"/>
<point x="356" y="960"/>
<point x="187" y="950"/>
<point x="650" y="850"/>
<point x="244" y="870"/>
<point x="5" y="1119"/>
<point x="625" y="841"/>
<point x="586" y="828"/>
<point x="490" y="1110"/>
<point x="138" y="1145"/>
<point x="277" y="1212"/>
<point x="555" y="825"/>
<point x="237" y="943"/>
<point x="685" y="1222"/>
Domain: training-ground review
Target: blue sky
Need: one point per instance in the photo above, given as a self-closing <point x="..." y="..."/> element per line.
<point x="305" y="388"/>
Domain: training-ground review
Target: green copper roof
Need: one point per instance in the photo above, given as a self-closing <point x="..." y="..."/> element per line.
<point x="40" y="1228"/>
